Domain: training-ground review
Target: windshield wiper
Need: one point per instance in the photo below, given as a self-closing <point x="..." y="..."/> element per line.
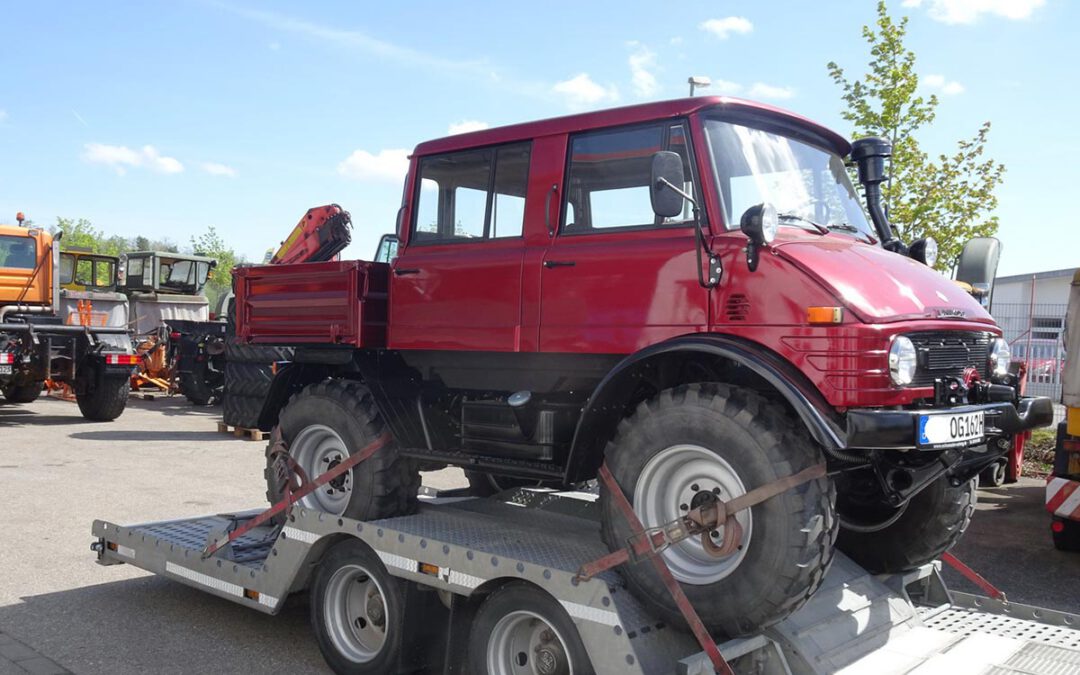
<point x="847" y="227"/>
<point x="802" y="219"/>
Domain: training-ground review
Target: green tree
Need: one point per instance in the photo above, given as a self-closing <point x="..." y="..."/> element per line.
<point x="950" y="198"/>
<point x="211" y="245"/>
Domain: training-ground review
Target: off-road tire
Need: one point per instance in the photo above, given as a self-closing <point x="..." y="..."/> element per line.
<point x="23" y="393"/>
<point x="347" y="553"/>
<point x="932" y="523"/>
<point x="517" y="596"/>
<point x="238" y="352"/>
<point x="107" y="401"/>
<point x="248" y="379"/>
<point x="384" y="485"/>
<point x="241" y="411"/>
<point x="793" y="534"/>
<point x="195" y="387"/>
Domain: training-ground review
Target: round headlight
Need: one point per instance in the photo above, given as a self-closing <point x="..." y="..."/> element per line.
<point x="924" y="250"/>
<point x="769" y="223"/>
<point x="1000" y="357"/>
<point x="930" y="254"/>
<point x="903" y="360"/>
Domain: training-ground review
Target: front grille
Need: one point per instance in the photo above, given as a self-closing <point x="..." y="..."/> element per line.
<point x="948" y="353"/>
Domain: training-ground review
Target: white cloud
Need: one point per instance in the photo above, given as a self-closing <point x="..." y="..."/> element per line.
<point x="729" y="25"/>
<point x="724" y="88"/>
<point x="121" y="157"/>
<point x="947" y="87"/>
<point x="969" y="11"/>
<point x="274" y="46"/>
<point x="762" y="90"/>
<point x="388" y="165"/>
<point x="3" y="115"/>
<point x="642" y="62"/>
<point x="465" y="126"/>
<point x="581" y="91"/>
<point x="216" y="169"/>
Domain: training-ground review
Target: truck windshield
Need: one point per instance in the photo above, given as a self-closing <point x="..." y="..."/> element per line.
<point x="19" y="252"/>
<point x="803" y="181"/>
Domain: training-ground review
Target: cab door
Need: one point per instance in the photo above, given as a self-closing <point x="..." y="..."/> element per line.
<point x="617" y="278"/>
<point x="457" y="283"/>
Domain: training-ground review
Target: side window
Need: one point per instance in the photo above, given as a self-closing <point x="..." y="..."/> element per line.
<point x="608" y="182"/>
<point x="67" y="268"/>
<point x="84" y="272"/>
<point x="104" y="272"/>
<point x="470" y="195"/>
<point x="134" y="268"/>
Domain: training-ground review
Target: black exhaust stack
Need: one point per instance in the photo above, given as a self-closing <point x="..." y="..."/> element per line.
<point x="869" y="155"/>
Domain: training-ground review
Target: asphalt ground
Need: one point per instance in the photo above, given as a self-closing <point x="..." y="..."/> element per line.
<point x="164" y="459"/>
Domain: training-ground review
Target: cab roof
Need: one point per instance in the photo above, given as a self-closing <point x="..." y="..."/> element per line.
<point x="633" y="114"/>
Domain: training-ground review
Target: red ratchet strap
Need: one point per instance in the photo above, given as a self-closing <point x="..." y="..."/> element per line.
<point x="974" y="577"/>
<point x="673" y="587"/>
<point x="294" y="490"/>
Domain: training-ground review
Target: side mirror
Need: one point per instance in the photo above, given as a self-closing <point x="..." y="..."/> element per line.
<point x="978" y="264"/>
<point x="388" y="248"/>
<point x="667" y="172"/>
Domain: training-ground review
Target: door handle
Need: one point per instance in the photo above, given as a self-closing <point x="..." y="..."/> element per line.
<point x="559" y="263"/>
<point x="402" y="272"/>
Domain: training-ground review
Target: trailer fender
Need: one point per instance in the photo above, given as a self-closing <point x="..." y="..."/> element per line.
<point x="608" y="402"/>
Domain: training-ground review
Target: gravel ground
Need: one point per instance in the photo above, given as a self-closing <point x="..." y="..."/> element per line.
<point x="164" y="459"/>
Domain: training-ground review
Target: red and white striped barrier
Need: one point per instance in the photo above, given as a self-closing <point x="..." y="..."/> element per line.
<point x="1063" y="498"/>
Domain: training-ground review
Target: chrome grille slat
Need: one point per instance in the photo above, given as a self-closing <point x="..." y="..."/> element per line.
<point x="948" y="353"/>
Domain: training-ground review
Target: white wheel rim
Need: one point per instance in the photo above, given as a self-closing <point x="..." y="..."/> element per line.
<point x="524" y="643"/>
<point x="355" y="613"/>
<point x="317" y="449"/>
<point x="666" y="490"/>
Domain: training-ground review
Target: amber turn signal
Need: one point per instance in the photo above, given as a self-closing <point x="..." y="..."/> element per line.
<point x="825" y="314"/>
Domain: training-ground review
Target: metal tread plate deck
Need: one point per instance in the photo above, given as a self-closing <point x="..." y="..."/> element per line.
<point x="470" y="545"/>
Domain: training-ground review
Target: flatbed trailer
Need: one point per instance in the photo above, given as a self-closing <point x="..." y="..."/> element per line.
<point x="458" y="549"/>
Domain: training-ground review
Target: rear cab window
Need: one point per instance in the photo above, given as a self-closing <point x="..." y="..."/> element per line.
<point x="471" y="195"/>
<point x="607" y="183"/>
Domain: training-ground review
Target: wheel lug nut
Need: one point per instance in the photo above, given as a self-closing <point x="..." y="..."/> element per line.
<point x="714" y="534"/>
<point x="694" y="487"/>
<point x="716" y="490"/>
<point x="684" y="507"/>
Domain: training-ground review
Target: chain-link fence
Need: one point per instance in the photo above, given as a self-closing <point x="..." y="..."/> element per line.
<point x="1033" y="331"/>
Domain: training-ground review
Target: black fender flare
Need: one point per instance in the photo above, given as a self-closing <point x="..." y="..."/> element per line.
<point x="605" y="405"/>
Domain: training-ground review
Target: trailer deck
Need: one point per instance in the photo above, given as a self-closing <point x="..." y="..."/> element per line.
<point x="856" y="623"/>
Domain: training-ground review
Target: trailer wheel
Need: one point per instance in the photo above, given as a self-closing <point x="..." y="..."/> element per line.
<point x="695" y="441"/>
<point x="357" y="611"/>
<point x="202" y="386"/>
<point x="323" y="425"/>
<point x="993" y="475"/>
<point x="248" y="379"/>
<point x="23" y="393"/>
<point x="521" y="630"/>
<point x="917" y="533"/>
<point x="241" y="411"/>
<point x="106" y="401"/>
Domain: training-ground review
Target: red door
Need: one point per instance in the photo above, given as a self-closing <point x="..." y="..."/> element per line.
<point x="617" y="278"/>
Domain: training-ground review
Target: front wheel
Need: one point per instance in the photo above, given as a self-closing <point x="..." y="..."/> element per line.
<point x="521" y="630"/>
<point x="908" y="537"/>
<point x="698" y="442"/>
<point x="357" y="611"/>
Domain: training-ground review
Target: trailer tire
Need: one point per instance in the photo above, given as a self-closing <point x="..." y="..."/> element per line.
<point x="322" y="425"/>
<point x="238" y="352"/>
<point x="733" y="440"/>
<point x="197" y="387"/>
<point x="347" y="630"/>
<point x="23" y="393"/>
<point x="932" y="522"/>
<point x="508" y="630"/>
<point x="106" y="401"/>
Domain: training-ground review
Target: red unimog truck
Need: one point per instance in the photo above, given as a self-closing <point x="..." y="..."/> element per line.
<point x="689" y="292"/>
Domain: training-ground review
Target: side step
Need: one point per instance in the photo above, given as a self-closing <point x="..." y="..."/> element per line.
<point x="518" y="468"/>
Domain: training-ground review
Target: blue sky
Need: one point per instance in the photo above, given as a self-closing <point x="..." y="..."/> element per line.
<point x="164" y="118"/>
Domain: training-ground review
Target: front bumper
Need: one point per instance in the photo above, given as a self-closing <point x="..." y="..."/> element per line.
<point x="896" y="429"/>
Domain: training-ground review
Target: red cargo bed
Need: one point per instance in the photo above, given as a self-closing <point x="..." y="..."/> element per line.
<point x="304" y="303"/>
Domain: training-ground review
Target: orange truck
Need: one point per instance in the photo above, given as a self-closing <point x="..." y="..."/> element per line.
<point x="36" y="343"/>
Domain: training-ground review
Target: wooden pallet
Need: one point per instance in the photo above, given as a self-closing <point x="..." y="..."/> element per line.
<point x="242" y="432"/>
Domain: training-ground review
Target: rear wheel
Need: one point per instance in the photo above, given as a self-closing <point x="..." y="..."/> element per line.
<point x="357" y="611"/>
<point x="322" y="426"/>
<point x="890" y="540"/>
<point x="23" y="393"/>
<point x="106" y="401"/>
<point x="703" y="441"/>
<point x="521" y="630"/>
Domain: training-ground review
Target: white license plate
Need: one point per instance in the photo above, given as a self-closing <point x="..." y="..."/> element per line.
<point x="5" y="369"/>
<point x="950" y="431"/>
